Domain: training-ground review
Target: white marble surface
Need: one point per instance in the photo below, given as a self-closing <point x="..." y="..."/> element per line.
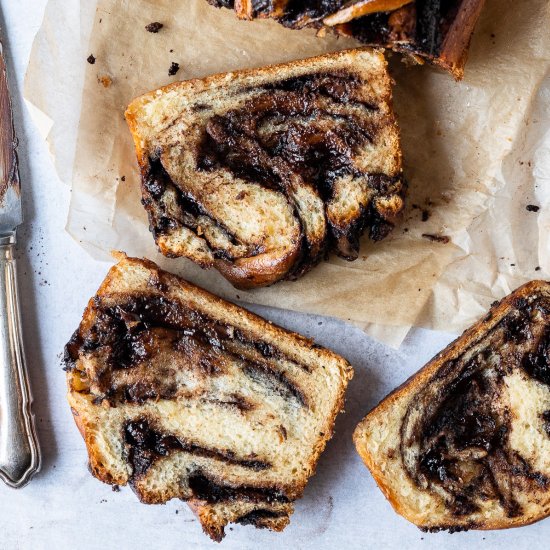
<point x="65" y="508"/>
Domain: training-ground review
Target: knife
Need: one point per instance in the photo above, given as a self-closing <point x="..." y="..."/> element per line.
<point x="19" y="451"/>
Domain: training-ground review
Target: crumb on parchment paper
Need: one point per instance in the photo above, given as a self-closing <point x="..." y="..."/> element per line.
<point x="443" y="239"/>
<point x="105" y="81"/>
<point x="174" y="68"/>
<point x="154" y="27"/>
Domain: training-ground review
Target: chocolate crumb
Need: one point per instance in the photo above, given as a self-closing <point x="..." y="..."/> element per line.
<point x="91" y="59"/>
<point x="154" y="27"/>
<point x="123" y="178"/>
<point x="436" y="238"/>
<point x="116" y="489"/>
<point x="174" y="68"/>
<point x="532" y="208"/>
<point x="105" y="81"/>
<point x="425" y="215"/>
<point x="537" y="268"/>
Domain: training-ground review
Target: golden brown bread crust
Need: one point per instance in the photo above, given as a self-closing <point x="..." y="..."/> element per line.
<point x="455" y="48"/>
<point x="385" y="409"/>
<point x="99" y="402"/>
<point x="316" y="135"/>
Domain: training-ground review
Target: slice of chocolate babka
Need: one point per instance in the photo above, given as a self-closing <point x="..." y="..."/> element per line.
<point x="260" y="173"/>
<point x="465" y="443"/>
<point x="438" y="31"/>
<point x="183" y="395"/>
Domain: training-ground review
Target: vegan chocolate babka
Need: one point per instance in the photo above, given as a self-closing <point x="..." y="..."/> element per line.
<point x="260" y="173"/>
<point x="465" y="443"/>
<point x="438" y="31"/>
<point x="183" y="395"/>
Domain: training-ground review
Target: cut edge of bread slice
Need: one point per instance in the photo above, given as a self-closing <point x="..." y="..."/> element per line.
<point x="383" y="418"/>
<point x="302" y="239"/>
<point x="96" y="413"/>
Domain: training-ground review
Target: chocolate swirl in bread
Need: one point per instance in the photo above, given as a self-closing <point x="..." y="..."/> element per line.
<point x="185" y="396"/>
<point x="438" y="31"/>
<point x="469" y="432"/>
<point x="261" y="173"/>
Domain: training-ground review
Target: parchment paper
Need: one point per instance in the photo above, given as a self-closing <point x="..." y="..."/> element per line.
<point x="476" y="154"/>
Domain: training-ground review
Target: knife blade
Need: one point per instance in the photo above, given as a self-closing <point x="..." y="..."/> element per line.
<point x="19" y="450"/>
<point x="11" y="214"/>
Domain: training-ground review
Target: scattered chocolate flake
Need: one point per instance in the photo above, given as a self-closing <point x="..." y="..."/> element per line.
<point x="116" y="488"/>
<point x="123" y="178"/>
<point x="174" y="68"/>
<point x="532" y="208"/>
<point x="154" y="27"/>
<point x="436" y="238"/>
<point x="91" y="59"/>
<point x="537" y="268"/>
<point x="425" y="215"/>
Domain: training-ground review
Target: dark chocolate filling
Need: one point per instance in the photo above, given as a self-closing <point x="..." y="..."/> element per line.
<point x="546" y="421"/>
<point x="222" y="3"/>
<point x="293" y="130"/>
<point x="205" y="489"/>
<point x="145" y="445"/>
<point x="262" y="7"/>
<point x="455" y="433"/>
<point x="310" y="12"/>
<point x="258" y="517"/>
<point x="418" y="28"/>
<point x="297" y="132"/>
<point x="128" y="334"/>
<point x="275" y="381"/>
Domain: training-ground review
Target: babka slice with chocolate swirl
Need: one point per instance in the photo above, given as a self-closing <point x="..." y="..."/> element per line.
<point x="437" y="31"/>
<point x="465" y="443"/>
<point x="260" y="173"/>
<point x="183" y="395"/>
